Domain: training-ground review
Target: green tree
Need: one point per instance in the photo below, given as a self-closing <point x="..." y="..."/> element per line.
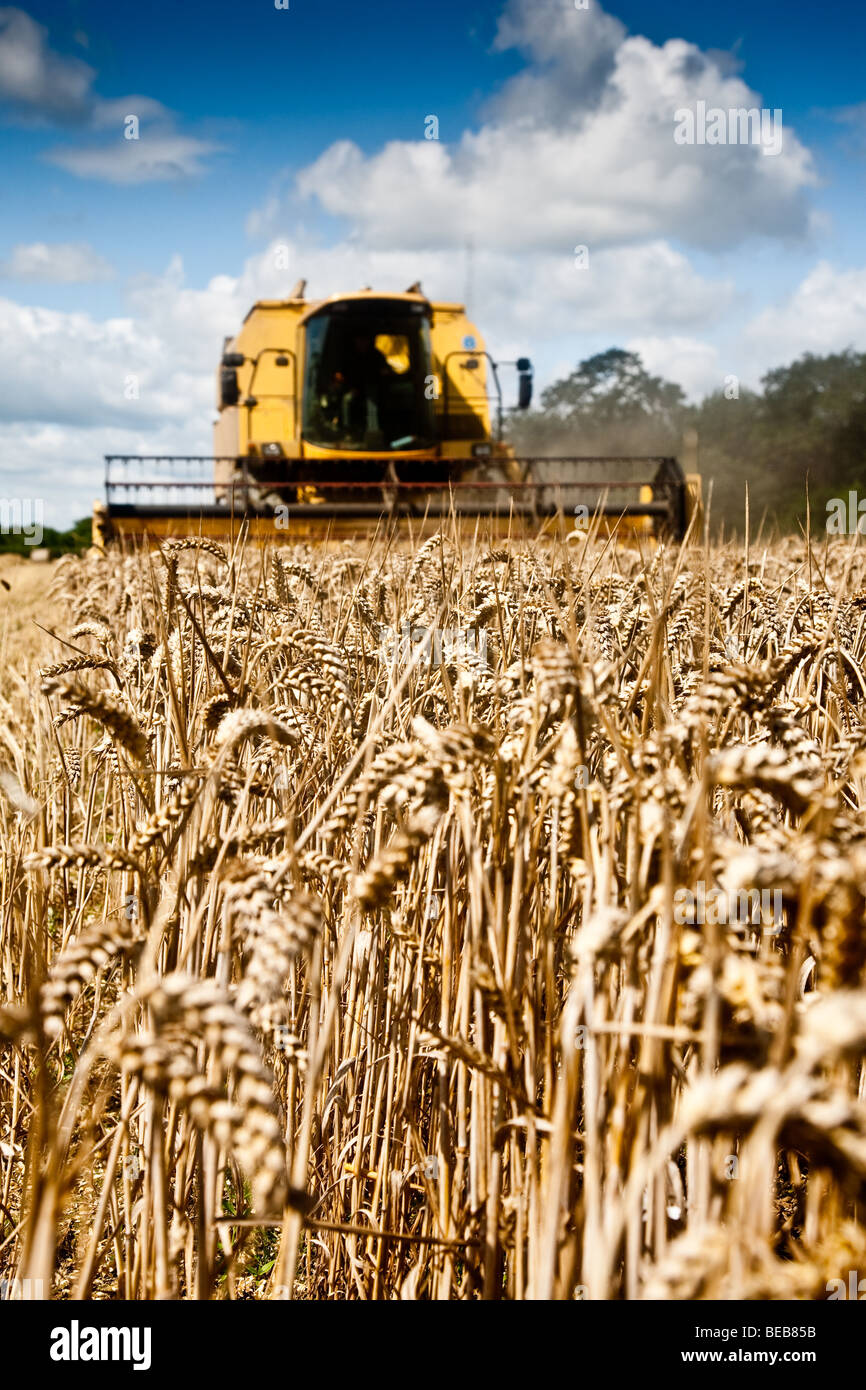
<point x="609" y="403"/>
<point x="57" y="542"/>
<point x="808" y="425"/>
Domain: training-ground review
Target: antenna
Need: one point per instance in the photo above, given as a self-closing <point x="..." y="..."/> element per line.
<point x="469" y="288"/>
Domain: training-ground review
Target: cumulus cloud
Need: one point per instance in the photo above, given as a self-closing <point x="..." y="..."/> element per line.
<point x="64" y="467"/>
<point x="575" y="150"/>
<point x="77" y="387"/>
<point x="695" y="364"/>
<point x="578" y="147"/>
<point x="148" y="367"/>
<point x="190" y="322"/>
<point x="825" y="313"/>
<point x="71" y="369"/>
<point x="573" y="56"/>
<point x="58" y="263"/>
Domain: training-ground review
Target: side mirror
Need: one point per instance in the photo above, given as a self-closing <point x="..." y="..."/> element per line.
<point x="524" y="384"/>
<point x="233" y="359"/>
<point x="230" y="391"/>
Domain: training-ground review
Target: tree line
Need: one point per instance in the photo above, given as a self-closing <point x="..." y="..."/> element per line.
<point x="805" y="426"/>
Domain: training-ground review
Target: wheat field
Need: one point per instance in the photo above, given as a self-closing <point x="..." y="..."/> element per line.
<point x="339" y="961"/>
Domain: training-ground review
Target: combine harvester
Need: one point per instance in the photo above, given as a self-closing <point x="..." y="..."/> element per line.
<point x="367" y="409"/>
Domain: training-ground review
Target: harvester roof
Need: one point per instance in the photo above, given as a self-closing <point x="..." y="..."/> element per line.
<point x="315" y="306"/>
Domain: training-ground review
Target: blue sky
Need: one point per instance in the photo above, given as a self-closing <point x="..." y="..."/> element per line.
<point x="301" y="132"/>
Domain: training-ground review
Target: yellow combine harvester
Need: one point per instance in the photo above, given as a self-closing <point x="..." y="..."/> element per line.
<point x="338" y="413"/>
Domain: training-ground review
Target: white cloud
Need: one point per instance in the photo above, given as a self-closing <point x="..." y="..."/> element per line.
<point x="64" y="467"/>
<point x="154" y="156"/>
<point x="541" y="295"/>
<point x="825" y="313"/>
<point x="36" y="81"/>
<point x="76" y="387"/>
<point x="129" y="372"/>
<point x="694" y="364"/>
<point x="578" y="148"/>
<point x="573" y="56"/>
<point x="63" y="262"/>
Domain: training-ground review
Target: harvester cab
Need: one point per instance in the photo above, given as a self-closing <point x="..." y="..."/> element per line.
<point x="318" y="400"/>
<point x="365" y="405"/>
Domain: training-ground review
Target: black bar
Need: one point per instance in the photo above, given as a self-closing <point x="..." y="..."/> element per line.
<point x="473" y="458"/>
<point x="644" y="1340"/>
<point x="129" y="509"/>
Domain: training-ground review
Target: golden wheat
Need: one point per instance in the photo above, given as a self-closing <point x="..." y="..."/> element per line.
<point x="335" y="969"/>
